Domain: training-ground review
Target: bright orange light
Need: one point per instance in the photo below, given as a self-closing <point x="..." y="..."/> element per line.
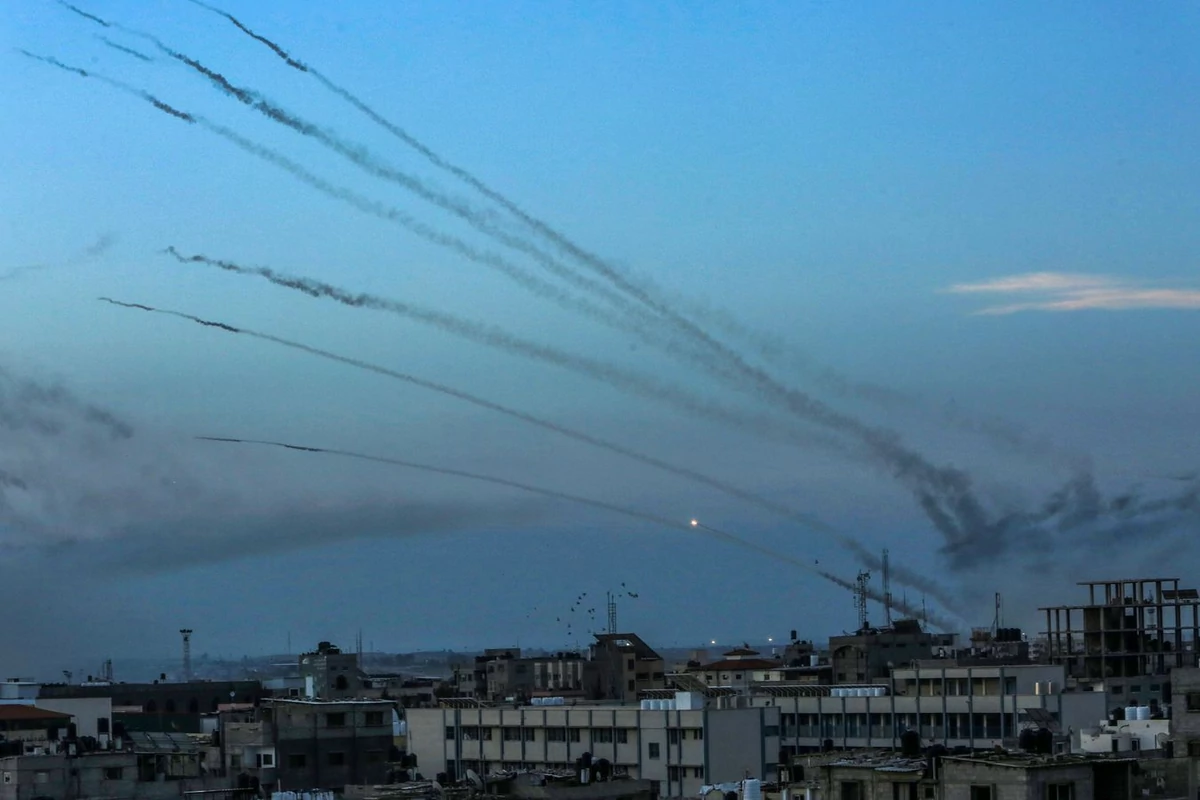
<point x="695" y="522"/>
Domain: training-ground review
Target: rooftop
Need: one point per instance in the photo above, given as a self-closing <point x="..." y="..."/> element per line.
<point x="9" y="713"/>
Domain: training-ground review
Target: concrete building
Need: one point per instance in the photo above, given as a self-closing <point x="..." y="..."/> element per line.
<point x="1126" y="638"/>
<point x="32" y="725"/>
<point x="740" y="668"/>
<point x="1128" y="737"/>
<point x="679" y="750"/>
<point x="627" y="666"/>
<point x="868" y="655"/>
<point x="292" y="745"/>
<point x="157" y="706"/>
<point x="957" y="706"/>
<point x="330" y="674"/>
<point x="119" y="774"/>
<point x="1185" y="730"/>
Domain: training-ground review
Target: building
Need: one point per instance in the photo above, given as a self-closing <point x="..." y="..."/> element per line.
<point x="330" y="674"/>
<point x="32" y="725"/>
<point x="869" y="654"/>
<point x="1184" y="736"/>
<point x="679" y="750"/>
<point x="626" y="666"/>
<point x="157" y="706"/>
<point x="1126" y="638"/>
<point x="739" y="668"/>
<point x="975" y="707"/>
<point x="303" y="744"/>
<point x="1129" y="737"/>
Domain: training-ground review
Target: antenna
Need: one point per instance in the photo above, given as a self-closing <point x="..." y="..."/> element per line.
<point x="887" y="590"/>
<point x="612" y="612"/>
<point x="186" y="633"/>
<point x="998" y="620"/>
<point x="924" y="612"/>
<point x="860" y="598"/>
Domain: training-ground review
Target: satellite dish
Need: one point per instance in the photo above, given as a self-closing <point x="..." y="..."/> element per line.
<point x="475" y="780"/>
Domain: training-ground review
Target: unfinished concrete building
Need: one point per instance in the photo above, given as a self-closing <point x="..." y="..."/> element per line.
<point x="1127" y="638"/>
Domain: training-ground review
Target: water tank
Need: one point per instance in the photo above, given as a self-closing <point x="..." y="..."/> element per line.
<point x="910" y="744"/>
<point x="1027" y="741"/>
<point x="752" y="789"/>
<point x="644" y="705"/>
<point x="1045" y="741"/>
<point x="1143" y="712"/>
<point x="880" y="691"/>
<point x="1131" y="712"/>
<point x="671" y="706"/>
<point x="814" y="660"/>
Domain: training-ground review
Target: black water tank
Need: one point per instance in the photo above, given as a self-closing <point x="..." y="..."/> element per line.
<point x="910" y="744"/>
<point x="1045" y="741"/>
<point x="827" y="745"/>
<point x="793" y="636"/>
<point x="1027" y="741"/>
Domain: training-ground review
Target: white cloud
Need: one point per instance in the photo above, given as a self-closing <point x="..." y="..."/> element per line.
<point x="1060" y="291"/>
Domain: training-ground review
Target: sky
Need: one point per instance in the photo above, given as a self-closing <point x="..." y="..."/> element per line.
<point x="828" y="280"/>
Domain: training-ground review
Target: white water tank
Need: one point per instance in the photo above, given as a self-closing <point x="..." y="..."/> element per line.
<point x="751" y="789"/>
<point x="879" y="691"/>
<point x="644" y="705"/>
<point x="814" y="660"/>
<point x="671" y="705"/>
<point x="1131" y="712"/>
<point x="1143" y="712"/>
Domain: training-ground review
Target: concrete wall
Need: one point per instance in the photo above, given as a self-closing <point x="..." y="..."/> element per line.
<point x="86" y="712"/>
<point x="96" y="775"/>
<point x="1012" y="782"/>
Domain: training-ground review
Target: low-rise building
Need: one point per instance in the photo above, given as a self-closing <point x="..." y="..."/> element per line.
<point x="31" y="725"/>
<point x="303" y="744"/>
<point x="680" y="749"/>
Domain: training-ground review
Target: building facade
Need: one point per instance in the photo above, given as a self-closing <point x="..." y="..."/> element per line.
<point x="679" y="750"/>
<point x="330" y="674"/>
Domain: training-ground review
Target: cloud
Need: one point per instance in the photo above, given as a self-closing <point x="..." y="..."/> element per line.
<point x="1063" y="291"/>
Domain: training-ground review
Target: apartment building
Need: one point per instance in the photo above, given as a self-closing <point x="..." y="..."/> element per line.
<point x="678" y="749"/>
<point x="303" y="744"/>
<point x="627" y="666"/>
<point x="1127" y="637"/>
<point x="958" y="706"/>
<point x="330" y="674"/>
<point x="871" y="653"/>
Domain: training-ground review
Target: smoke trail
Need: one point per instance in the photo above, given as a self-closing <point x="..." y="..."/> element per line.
<point x="360" y="157"/>
<point x="29" y="405"/>
<point x="127" y="50"/>
<point x="551" y="493"/>
<point x="805" y="519"/>
<point x="495" y="338"/>
<point x="86" y="15"/>
<point x="278" y="50"/>
<point x="942" y="622"/>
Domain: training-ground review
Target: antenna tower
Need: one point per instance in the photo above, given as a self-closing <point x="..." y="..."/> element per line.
<point x="186" y="633"/>
<point x="998" y="620"/>
<point x="612" y="612"/>
<point x="887" y="590"/>
<point x="860" y="598"/>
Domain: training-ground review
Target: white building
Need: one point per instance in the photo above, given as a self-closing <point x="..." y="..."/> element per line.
<point x="680" y="749"/>
<point x="959" y="706"/>
<point x="1125" y="736"/>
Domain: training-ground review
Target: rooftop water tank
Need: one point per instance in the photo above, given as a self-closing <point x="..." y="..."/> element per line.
<point x="1131" y="712"/>
<point x="751" y="789"/>
<point x="1143" y="712"/>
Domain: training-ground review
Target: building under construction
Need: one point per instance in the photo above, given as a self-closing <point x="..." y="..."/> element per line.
<point x="1127" y="638"/>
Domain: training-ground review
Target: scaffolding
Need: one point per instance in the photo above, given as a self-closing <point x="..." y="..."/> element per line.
<point x="1129" y="628"/>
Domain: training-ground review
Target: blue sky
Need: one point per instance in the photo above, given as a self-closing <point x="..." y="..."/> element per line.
<point x="987" y="212"/>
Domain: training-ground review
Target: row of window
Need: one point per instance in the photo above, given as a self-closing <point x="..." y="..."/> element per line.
<point x="336" y="758"/>
<point x="679" y="773"/>
<point x="472" y="733"/>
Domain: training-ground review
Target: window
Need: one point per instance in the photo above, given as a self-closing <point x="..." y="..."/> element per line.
<point x="102" y="725"/>
<point x="41" y="776"/>
<point x="449" y="733"/>
<point x="374" y="719"/>
<point x="622" y="736"/>
<point x="653" y="750"/>
<point x="1134" y="689"/>
<point x="336" y="759"/>
<point x="1117" y="690"/>
<point x="1156" y="687"/>
<point x="981" y="793"/>
<point x="737" y="676"/>
<point x="629" y="665"/>
<point x="602" y="735"/>
<point x="771" y="730"/>
<point x="672" y="736"/>
<point x="530" y="734"/>
<point x="113" y="773"/>
<point x="511" y="734"/>
<point x="698" y="733"/>
<point x="265" y="760"/>
<point x="1193" y="701"/>
<point x="697" y="772"/>
<point x="1060" y="791"/>
<point x="1194" y="748"/>
<point x="335" y="720"/>
<point x="374" y="756"/>
<point x="235" y="760"/>
<point x="341" y="684"/>
<point x="673" y="774"/>
<point x="573" y="734"/>
<point x="631" y="686"/>
<point x="297" y="761"/>
<point x="556" y="734"/>
<point x="852" y="790"/>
